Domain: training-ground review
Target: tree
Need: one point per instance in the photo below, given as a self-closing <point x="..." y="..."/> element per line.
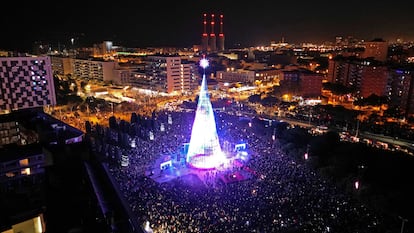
<point x="134" y="118"/>
<point x="254" y="98"/>
<point x="269" y="101"/>
<point x="88" y="127"/>
<point x="112" y="122"/>
<point x="337" y="88"/>
<point x="83" y="84"/>
<point x="372" y="100"/>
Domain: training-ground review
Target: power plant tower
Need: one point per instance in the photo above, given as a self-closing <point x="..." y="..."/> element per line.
<point x="212" y="39"/>
<point x="204" y="36"/>
<point x="209" y="41"/>
<point x="221" y="35"/>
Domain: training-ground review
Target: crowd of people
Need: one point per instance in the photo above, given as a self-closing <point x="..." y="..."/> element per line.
<point x="282" y="195"/>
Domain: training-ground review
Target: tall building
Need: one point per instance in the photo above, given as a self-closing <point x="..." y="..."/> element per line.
<point x="376" y="49"/>
<point x="402" y="90"/>
<point x="26" y="82"/>
<point x="302" y="82"/>
<point x="94" y="69"/>
<point x="37" y="154"/>
<point x="365" y="76"/>
<point x="310" y="84"/>
<point x="204" y="151"/>
<point x="373" y="79"/>
<point x="27" y="143"/>
<point x="290" y="81"/>
<point x="169" y="74"/>
<point x="61" y="65"/>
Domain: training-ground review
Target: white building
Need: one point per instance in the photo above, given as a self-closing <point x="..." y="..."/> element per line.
<point x="94" y="70"/>
<point x="235" y="76"/>
<point x="171" y="74"/>
<point x="26" y="82"/>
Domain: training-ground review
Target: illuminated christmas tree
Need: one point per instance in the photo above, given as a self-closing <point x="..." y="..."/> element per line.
<point x="204" y="151"/>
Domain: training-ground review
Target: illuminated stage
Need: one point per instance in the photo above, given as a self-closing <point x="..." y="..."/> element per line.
<point x="205" y="162"/>
<point x="233" y="171"/>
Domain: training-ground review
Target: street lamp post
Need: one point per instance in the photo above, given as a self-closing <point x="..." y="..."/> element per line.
<point x="357" y="129"/>
<point x="307" y="152"/>
<point x="112" y="107"/>
<point x="71" y="109"/>
<point x="403" y="220"/>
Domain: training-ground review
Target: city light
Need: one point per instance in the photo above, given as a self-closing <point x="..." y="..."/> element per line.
<point x="204" y="63"/>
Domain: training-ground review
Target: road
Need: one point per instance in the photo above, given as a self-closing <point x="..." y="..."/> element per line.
<point x="404" y="144"/>
<point x="390" y="140"/>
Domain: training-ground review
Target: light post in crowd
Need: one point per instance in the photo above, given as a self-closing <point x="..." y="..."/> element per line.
<point x="403" y="220"/>
<point x="112" y="107"/>
<point x="357" y="183"/>
<point x="71" y="109"/>
<point x="88" y="110"/>
<point x="306" y="155"/>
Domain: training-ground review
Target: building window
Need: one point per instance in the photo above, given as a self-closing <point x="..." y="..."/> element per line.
<point x="24" y="162"/>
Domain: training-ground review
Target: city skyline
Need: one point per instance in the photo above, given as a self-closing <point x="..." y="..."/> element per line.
<point x="180" y="24"/>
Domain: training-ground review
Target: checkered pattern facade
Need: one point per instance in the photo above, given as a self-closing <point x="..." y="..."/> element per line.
<point x="26" y="82"/>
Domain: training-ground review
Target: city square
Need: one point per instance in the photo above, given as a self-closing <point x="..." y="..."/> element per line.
<point x="268" y="192"/>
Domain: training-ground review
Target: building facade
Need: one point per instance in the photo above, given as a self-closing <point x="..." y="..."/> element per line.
<point x="310" y="84"/>
<point x="22" y="173"/>
<point x="402" y="90"/>
<point x="373" y="80"/>
<point x="170" y="74"/>
<point x="61" y="65"/>
<point x="365" y="76"/>
<point x="94" y="70"/>
<point x="376" y="49"/>
<point x="26" y="82"/>
<point x="302" y="82"/>
<point x="236" y="76"/>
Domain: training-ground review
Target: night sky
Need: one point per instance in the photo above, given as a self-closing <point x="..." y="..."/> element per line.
<point x="179" y="23"/>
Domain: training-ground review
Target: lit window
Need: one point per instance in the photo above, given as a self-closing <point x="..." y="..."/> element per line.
<point x="25" y="171"/>
<point x="24" y="162"/>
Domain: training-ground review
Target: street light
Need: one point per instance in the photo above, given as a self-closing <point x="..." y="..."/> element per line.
<point x="403" y="220"/>
<point x="307" y="152"/>
<point x="71" y="109"/>
<point x="356" y="184"/>
<point x="112" y="107"/>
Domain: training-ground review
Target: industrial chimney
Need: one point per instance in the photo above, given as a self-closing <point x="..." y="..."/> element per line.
<point x="221" y="35"/>
<point x="212" y="41"/>
<point x="204" y="36"/>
